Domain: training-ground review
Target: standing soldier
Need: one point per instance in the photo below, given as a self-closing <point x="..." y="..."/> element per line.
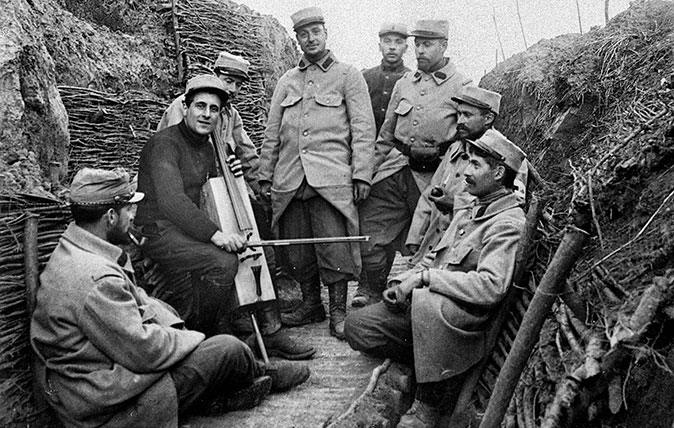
<point x="381" y="79"/>
<point x="382" y="209"/>
<point x="420" y="124"/>
<point x="316" y="164"/>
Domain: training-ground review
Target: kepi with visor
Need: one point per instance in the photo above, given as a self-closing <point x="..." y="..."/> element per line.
<point x="481" y="98"/>
<point x="501" y="148"/>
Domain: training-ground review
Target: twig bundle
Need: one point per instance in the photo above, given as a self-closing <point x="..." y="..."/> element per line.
<point x="15" y="373"/>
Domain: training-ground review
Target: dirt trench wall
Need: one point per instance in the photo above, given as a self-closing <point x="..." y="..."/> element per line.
<point x="116" y="46"/>
<point x="595" y="114"/>
<point x="33" y="121"/>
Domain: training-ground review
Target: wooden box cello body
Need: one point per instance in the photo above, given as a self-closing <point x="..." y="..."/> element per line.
<point x="225" y="199"/>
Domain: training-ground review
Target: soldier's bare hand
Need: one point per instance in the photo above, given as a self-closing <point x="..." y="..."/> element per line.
<point x="265" y="192"/>
<point x="229" y="242"/>
<point x="235" y="166"/>
<point x="361" y="190"/>
<point x="443" y="201"/>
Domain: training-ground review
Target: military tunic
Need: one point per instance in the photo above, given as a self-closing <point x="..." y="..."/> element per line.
<point x="380" y="82"/>
<point x="428" y="223"/>
<point x="320" y="132"/>
<point x="105" y="346"/>
<point x="469" y="272"/>
<point x="421" y="116"/>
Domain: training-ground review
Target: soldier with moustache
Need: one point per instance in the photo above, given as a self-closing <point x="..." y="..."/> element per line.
<point x="419" y="125"/>
<point x="436" y="315"/>
<point x="477" y="110"/>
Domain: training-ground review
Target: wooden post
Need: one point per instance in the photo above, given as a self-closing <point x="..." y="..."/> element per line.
<point x="555" y="276"/>
<point x="31" y="278"/>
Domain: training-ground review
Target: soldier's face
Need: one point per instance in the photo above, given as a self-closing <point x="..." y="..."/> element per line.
<point x="202" y="114"/>
<point x="472" y="121"/>
<point x="392" y="47"/>
<point x="233" y="84"/>
<point x="121" y="220"/>
<point x="481" y="179"/>
<point x="429" y="52"/>
<point x="312" y="40"/>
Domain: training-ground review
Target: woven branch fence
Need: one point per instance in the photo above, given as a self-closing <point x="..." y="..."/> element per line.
<point x="205" y="28"/>
<point x="15" y="370"/>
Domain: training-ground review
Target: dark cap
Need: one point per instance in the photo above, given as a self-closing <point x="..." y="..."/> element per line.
<point x="207" y="81"/>
<point x="479" y="97"/>
<point x="92" y="186"/>
<point x="304" y="17"/>
<point x="501" y="148"/>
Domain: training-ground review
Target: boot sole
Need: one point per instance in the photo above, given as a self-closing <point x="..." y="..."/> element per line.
<point x="243" y="399"/>
<point x="287" y="356"/>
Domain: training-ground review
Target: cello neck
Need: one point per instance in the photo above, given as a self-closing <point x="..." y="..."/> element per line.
<point x="222" y="152"/>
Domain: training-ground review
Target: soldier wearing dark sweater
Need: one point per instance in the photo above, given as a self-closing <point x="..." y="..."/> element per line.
<point x="174" y="165"/>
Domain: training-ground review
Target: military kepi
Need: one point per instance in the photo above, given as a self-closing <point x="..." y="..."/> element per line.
<point x="501" y="148"/>
<point x="478" y="97"/>
<point x="234" y="65"/>
<point x="393" y="28"/>
<point x="431" y="29"/>
<point x="93" y="186"/>
<point x="310" y="15"/>
<point x="207" y="81"/>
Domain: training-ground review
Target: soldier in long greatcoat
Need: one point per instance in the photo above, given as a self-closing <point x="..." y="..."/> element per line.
<point x="436" y="315"/>
<point x="316" y="164"/>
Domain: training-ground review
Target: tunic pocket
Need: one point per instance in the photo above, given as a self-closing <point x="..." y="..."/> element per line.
<point x="329" y="100"/>
<point x="290" y="100"/>
<point x="404" y="107"/>
<point x="457" y="255"/>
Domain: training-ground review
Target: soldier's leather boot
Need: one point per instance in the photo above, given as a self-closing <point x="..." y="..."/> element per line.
<point x="425" y="411"/>
<point x="420" y="415"/>
<point x="370" y="286"/>
<point x="311" y="309"/>
<point x="337" y="293"/>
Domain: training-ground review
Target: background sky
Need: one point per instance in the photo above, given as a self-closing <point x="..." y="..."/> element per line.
<point x="473" y="45"/>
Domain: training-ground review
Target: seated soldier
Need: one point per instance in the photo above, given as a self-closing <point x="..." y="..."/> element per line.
<point x="435" y="316"/>
<point x="110" y="355"/>
<point x="174" y="165"/>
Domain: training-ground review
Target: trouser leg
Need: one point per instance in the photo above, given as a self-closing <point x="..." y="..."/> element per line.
<point x="377" y="331"/>
<point x="211" y="290"/>
<point x="219" y="365"/>
<point x="385" y="216"/>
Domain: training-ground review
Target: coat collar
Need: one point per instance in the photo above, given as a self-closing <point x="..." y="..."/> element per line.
<point x="439" y="76"/>
<point x="191" y="136"/>
<point x="457" y="149"/>
<point x="506" y="201"/>
<point x="398" y="67"/>
<point x="324" y="63"/>
<point x="91" y="243"/>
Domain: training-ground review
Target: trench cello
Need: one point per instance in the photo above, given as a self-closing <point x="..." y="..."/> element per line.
<point x="225" y="199"/>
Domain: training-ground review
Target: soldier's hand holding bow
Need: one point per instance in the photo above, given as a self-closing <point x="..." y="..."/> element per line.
<point x="233" y="242"/>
